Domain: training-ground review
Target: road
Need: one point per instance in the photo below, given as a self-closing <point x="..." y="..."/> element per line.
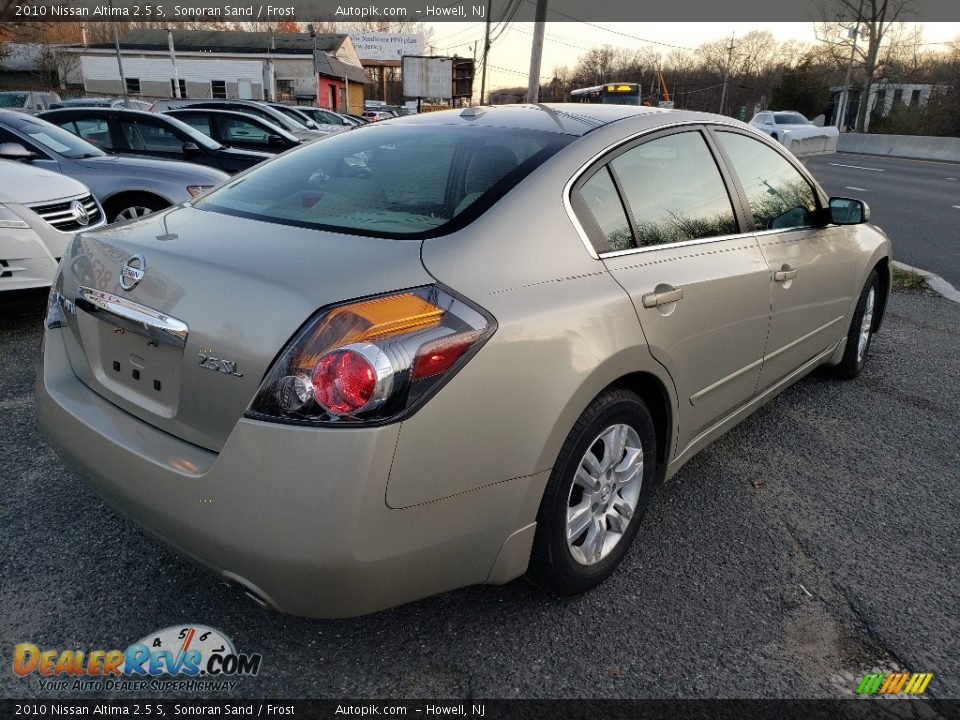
<point x="916" y="202"/>
<point x="814" y="542"/>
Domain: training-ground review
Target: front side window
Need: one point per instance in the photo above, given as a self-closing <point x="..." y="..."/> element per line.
<point x="778" y="195"/>
<point x="674" y="190"/>
<point x="388" y="181"/>
<point x="55" y="138"/>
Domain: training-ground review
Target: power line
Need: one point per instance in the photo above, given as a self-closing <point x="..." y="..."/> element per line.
<point x="615" y="32"/>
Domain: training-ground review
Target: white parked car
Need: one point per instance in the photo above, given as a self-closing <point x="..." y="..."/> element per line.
<point x="40" y="212"/>
<point x="796" y="133"/>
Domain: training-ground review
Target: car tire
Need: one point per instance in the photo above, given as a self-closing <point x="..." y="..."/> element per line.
<point x="130" y="207"/>
<point x="583" y="534"/>
<point x="860" y="334"/>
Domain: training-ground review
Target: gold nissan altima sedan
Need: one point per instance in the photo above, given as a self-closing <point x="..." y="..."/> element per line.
<point x="448" y="349"/>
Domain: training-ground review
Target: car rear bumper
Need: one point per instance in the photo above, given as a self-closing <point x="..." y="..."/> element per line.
<point x="296" y="515"/>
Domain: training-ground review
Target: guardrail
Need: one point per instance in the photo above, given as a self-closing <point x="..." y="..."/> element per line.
<point x="918" y="147"/>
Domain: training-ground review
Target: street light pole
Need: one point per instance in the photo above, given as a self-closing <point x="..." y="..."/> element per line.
<point x="536" y="52"/>
<point x="116" y="45"/>
<point x="845" y="95"/>
<point x="486" y="53"/>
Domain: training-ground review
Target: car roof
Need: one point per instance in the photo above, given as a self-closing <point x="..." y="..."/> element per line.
<point x="565" y="118"/>
<point x="96" y="110"/>
<point x="245" y="116"/>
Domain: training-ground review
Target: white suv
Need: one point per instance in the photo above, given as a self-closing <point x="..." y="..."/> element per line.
<point x="40" y="212"/>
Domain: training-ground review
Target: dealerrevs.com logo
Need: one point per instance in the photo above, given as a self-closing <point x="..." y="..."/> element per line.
<point x="192" y="657"/>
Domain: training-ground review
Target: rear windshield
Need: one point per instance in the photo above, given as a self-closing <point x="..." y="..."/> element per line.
<point x="12" y="99"/>
<point x="388" y="180"/>
<point x="790" y="119"/>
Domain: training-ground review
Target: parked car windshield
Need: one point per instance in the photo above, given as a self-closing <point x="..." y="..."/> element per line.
<point x="55" y="138"/>
<point x="391" y="180"/>
<point x="790" y="119"/>
<point x="12" y="99"/>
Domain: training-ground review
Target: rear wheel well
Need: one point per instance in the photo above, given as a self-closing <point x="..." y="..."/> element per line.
<point x="654" y="395"/>
<point x="883" y="270"/>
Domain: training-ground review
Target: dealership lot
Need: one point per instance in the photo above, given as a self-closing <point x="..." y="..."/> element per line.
<point x="815" y="541"/>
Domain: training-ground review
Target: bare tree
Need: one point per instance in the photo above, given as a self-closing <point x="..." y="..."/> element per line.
<point x="874" y="20"/>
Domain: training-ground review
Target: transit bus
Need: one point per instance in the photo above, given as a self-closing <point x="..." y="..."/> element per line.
<point x="617" y="93"/>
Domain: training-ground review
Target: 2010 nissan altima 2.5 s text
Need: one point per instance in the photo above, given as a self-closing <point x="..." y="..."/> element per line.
<point x="448" y="349"/>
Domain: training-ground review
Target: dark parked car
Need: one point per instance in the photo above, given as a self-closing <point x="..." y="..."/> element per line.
<point x="329" y="117"/>
<point x="248" y="107"/>
<point x="131" y="132"/>
<point x="237" y="130"/>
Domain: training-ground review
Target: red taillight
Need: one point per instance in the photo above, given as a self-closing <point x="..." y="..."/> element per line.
<point x="373" y="360"/>
<point x="437" y="357"/>
<point x="343" y="382"/>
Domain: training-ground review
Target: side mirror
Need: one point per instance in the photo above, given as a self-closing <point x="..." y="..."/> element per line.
<point x="190" y="148"/>
<point x="275" y="141"/>
<point x="15" y="151"/>
<point x="311" y="125"/>
<point x="848" y="211"/>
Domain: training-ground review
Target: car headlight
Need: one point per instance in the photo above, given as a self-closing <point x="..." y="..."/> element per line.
<point x="9" y="219"/>
<point x="195" y="190"/>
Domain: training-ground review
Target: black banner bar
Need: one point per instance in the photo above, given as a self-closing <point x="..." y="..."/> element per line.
<point x="861" y="709"/>
<point x="456" y="10"/>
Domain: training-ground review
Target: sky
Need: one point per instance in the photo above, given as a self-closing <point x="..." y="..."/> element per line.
<point x="565" y="41"/>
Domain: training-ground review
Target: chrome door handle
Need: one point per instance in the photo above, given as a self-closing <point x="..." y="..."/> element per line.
<point x="784" y="275"/>
<point x="662" y="298"/>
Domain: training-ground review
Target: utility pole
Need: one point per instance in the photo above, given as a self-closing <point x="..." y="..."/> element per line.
<point x="486" y="53"/>
<point x="536" y="52"/>
<point x="726" y="76"/>
<point x="173" y="60"/>
<point x="845" y="94"/>
<point x="116" y="45"/>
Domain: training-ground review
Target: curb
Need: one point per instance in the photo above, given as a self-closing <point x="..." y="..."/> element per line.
<point x="935" y="282"/>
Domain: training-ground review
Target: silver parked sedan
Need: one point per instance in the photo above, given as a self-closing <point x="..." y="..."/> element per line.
<point x="126" y="187"/>
<point x="450" y="348"/>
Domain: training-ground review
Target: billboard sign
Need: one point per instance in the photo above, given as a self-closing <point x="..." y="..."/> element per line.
<point x="383" y="47"/>
<point x="427" y="77"/>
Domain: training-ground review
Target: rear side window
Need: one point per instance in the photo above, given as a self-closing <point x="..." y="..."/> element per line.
<point x="198" y="121"/>
<point x="778" y="195"/>
<point x="389" y="180"/>
<point x="93" y="130"/>
<point x="236" y="129"/>
<point x="602" y="201"/>
<point x="150" y="137"/>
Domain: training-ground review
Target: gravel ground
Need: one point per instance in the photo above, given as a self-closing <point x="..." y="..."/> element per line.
<point x="815" y="541"/>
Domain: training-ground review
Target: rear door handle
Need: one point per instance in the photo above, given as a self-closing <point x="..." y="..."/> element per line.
<point x="662" y="298"/>
<point x="784" y="275"/>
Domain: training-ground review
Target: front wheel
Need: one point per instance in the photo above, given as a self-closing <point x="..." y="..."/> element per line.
<point x="596" y="495"/>
<point x="860" y="334"/>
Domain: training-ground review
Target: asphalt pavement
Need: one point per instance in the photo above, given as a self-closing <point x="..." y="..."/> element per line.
<point x="814" y="542"/>
<point x="917" y="203"/>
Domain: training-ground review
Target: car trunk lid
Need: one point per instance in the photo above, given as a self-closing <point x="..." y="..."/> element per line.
<point x="212" y="301"/>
